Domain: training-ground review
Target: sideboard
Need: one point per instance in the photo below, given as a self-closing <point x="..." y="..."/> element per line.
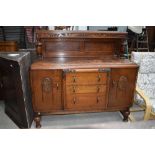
<point x="81" y="71"/>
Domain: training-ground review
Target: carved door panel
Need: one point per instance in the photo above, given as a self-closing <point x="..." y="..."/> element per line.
<point x="46" y="90"/>
<point x="122" y="85"/>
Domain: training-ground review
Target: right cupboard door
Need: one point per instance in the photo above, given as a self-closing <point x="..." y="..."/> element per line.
<point x="122" y="86"/>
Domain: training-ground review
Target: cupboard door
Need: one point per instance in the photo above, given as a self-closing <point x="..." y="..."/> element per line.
<point x="122" y="86"/>
<point x="46" y="90"/>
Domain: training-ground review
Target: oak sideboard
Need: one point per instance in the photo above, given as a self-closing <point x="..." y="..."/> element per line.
<point x="81" y="71"/>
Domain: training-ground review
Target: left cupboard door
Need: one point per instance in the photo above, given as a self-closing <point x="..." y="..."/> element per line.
<point x="46" y="90"/>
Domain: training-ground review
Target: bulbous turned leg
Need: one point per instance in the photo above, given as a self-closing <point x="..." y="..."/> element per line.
<point x="37" y="119"/>
<point x="125" y="114"/>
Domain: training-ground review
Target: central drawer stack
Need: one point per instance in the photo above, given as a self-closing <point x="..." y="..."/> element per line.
<point x="86" y="89"/>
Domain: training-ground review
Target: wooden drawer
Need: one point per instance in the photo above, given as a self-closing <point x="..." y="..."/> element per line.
<point x="89" y="77"/>
<point x="78" y="89"/>
<point x="85" y="101"/>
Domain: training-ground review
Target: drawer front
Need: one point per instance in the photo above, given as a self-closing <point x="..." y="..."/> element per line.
<point x="86" y="78"/>
<point x="85" y="102"/>
<point x="78" y="89"/>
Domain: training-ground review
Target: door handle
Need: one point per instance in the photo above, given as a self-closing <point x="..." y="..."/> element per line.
<point x="57" y="86"/>
<point x="74" y="78"/>
<point x="73" y="89"/>
<point x="114" y="83"/>
<point x="98" y="89"/>
<point x="98" y="99"/>
<point x="74" y="100"/>
<point x="99" y="78"/>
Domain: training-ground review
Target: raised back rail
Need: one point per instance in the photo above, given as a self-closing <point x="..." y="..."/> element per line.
<point x="79" y="43"/>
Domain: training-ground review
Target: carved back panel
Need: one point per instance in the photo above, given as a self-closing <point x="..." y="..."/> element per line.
<point x="79" y="43"/>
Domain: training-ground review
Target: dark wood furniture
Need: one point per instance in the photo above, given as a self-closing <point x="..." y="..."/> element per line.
<point x="81" y="71"/>
<point x="6" y="46"/>
<point x="1" y="87"/>
<point x="14" y="68"/>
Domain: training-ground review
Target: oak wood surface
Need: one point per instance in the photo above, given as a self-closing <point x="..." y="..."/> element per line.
<point x="83" y="63"/>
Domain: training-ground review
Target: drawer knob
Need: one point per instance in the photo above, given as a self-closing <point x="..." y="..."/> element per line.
<point x="74" y="100"/>
<point x="11" y="65"/>
<point x="97" y="99"/>
<point x="73" y="89"/>
<point x="98" y="89"/>
<point x="57" y="86"/>
<point x="114" y="83"/>
<point x="99" y="78"/>
<point x="74" y="78"/>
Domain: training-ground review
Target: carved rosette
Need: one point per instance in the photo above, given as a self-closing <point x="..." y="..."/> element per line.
<point x="46" y="85"/>
<point x="122" y="83"/>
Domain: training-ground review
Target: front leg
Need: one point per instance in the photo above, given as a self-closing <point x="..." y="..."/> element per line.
<point x="125" y="114"/>
<point x="37" y="119"/>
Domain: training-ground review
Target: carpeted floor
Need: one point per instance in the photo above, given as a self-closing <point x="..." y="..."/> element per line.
<point x="104" y="120"/>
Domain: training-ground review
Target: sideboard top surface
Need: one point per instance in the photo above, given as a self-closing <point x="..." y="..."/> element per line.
<point x="65" y="63"/>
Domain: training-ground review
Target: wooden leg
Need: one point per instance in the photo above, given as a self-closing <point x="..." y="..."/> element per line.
<point x="125" y="114"/>
<point x="37" y="119"/>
